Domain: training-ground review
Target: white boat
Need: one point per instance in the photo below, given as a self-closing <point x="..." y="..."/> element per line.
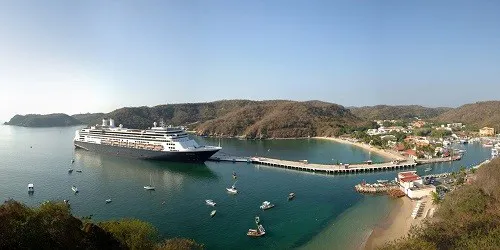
<point x="382" y="181"/>
<point x="428" y="169"/>
<point x="266" y="205"/>
<point x="74" y="189"/>
<point x="210" y="203"/>
<point x="291" y="196"/>
<point x="212" y="214"/>
<point x="31" y="188"/>
<point x="150" y="186"/>
<point x="108" y="200"/>
<point x="232" y="189"/>
<point x="260" y="231"/>
<point x="494" y="152"/>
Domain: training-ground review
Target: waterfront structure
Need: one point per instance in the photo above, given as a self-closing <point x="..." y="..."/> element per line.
<point x="486" y="131"/>
<point x="412" y="154"/>
<point x="158" y="143"/>
<point x="413" y="186"/>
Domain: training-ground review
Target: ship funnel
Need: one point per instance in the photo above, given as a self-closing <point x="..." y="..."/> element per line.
<point x="111" y="123"/>
<point x="104" y="122"/>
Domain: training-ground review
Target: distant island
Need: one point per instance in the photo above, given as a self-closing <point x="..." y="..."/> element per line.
<point x="271" y="119"/>
<point x="50" y="120"/>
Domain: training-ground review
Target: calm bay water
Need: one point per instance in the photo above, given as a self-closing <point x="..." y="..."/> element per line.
<point x="326" y="213"/>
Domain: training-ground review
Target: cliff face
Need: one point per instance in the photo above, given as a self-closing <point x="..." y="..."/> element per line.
<point x="50" y="120"/>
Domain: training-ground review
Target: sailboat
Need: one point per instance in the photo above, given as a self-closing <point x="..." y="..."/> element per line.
<point x="150" y="186"/>
<point x="232" y="189"/>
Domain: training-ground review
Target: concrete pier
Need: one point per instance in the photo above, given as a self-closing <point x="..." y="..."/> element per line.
<point x="324" y="168"/>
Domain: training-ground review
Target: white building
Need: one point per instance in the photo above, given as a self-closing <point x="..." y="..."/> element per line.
<point x="413" y="186"/>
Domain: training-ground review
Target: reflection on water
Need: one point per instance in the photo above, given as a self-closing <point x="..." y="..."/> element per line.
<point x="177" y="207"/>
<point x="167" y="174"/>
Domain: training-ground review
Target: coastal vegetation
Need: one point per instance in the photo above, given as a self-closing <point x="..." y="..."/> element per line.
<point x="476" y="115"/>
<point x="279" y="118"/>
<point x="467" y="218"/>
<point x="386" y="112"/>
<point x="251" y="119"/>
<point x="51" y="226"/>
<point x="50" y="120"/>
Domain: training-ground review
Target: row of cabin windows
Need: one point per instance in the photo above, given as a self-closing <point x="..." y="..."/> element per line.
<point x="128" y="137"/>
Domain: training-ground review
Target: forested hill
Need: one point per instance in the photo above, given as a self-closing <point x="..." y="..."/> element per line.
<point x="50" y="120"/>
<point x="477" y="115"/>
<point x="385" y="112"/>
<point x="267" y="119"/>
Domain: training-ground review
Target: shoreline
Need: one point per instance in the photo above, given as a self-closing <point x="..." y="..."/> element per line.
<point x="397" y="223"/>
<point x="390" y="155"/>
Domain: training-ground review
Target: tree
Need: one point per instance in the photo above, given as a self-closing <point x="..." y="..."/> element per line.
<point x="135" y="234"/>
<point x="422" y="132"/>
<point x="387" y="124"/>
<point x="179" y="244"/>
<point x="435" y="198"/>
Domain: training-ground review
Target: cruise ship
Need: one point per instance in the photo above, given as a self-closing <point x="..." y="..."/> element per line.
<point x="157" y="143"/>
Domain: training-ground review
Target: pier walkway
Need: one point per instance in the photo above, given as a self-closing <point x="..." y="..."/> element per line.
<point x="325" y="168"/>
<point x="330" y="168"/>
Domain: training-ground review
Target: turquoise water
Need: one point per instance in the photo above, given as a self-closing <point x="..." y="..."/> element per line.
<point x="43" y="155"/>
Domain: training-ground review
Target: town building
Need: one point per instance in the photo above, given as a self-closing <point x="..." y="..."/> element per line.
<point x="413" y="186"/>
<point x="412" y="154"/>
<point x="418" y="124"/>
<point x="455" y="125"/>
<point x="487" y="131"/>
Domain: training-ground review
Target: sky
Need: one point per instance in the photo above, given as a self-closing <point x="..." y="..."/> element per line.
<point x="96" y="56"/>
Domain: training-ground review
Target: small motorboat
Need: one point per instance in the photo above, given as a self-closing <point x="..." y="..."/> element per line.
<point x="234" y="175"/>
<point x="212" y="214"/>
<point x="74" y="189"/>
<point x="291" y="196"/>
<point x="31" y="188"/>
<point x="257" y="220"/>
<point x="428" y="169"/>
<point x="382" y="181"/>
<point x="72" y="160"/>
<point x="78" y="171"/>
<point x="70" y="171"/>
<point x="108" y="201"/>
<point x="232" y="189"/>
<point x="210" y="203"/>
<point x="266" y="205"/>
<point x="66" y="202"/>
<point x="150" y="186"/>
<point x="260" y="231"/>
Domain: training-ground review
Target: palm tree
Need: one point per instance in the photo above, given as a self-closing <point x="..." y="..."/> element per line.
<point x="435" y="198"/>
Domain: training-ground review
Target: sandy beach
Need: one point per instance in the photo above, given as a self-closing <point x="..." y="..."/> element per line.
<point x="391" y="155"/>
<point x="398" y="222"/>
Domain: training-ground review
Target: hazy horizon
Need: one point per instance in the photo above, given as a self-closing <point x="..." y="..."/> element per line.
<point x="97" y="56"/>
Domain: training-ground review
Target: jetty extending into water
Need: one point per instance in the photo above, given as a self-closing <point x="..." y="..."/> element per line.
<point x="324" y="168"/>
<point x="438" y="160"/>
